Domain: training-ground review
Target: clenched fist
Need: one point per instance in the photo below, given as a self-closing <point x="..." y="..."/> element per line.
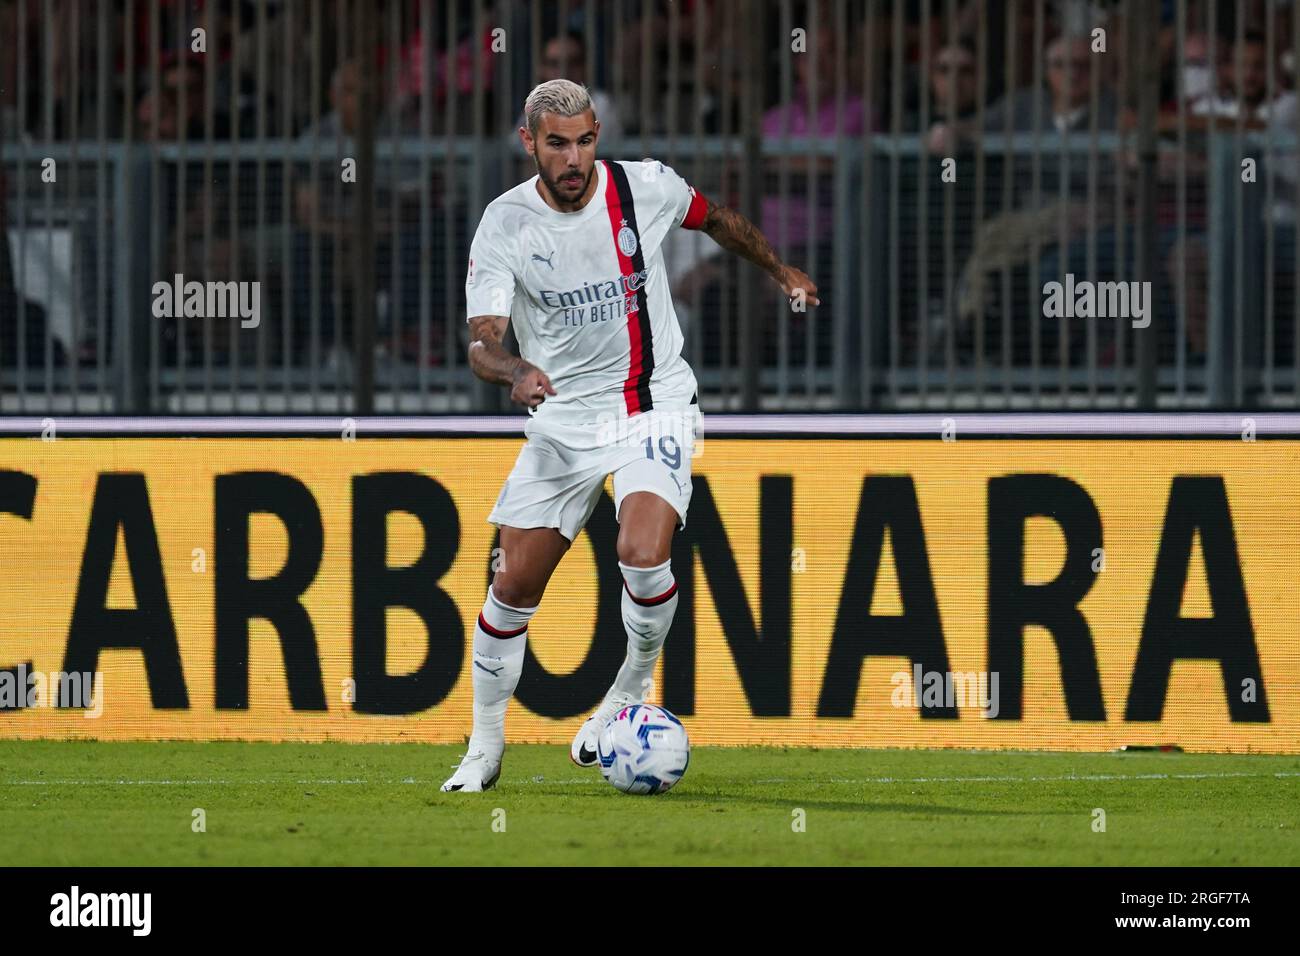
<point x="792" y="281"/>
<point x="531" y="386"/>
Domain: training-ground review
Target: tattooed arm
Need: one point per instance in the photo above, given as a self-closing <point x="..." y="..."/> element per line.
<point x="737" y="234"/>
<point x="490" y="361"/>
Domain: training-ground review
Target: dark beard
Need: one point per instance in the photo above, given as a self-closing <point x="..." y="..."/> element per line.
<point x="551" y="188"/>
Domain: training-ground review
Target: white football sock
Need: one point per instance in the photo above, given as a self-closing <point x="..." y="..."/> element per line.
<point x="500" y="637"/>
<point x="649" y="602"/>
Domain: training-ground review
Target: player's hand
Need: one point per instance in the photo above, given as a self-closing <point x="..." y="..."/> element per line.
<point x="792" y="280"/>
<point x="531" y="387"/>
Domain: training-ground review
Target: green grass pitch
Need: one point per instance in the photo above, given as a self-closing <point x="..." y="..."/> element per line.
<point x="86" y="803"/>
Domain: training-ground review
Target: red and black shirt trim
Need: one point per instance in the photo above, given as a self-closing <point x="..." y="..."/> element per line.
<point x="622" y="214"/>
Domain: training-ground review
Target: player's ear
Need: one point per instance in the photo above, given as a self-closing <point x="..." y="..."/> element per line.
<point x="526" y="138"/>
<point x="595" y="124"/>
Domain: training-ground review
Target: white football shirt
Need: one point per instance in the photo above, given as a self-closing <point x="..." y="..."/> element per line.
<point x="587" y="291"/>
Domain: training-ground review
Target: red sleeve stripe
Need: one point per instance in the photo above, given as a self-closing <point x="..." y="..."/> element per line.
<point x="695" y="215"/>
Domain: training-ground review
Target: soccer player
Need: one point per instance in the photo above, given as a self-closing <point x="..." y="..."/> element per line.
<point x="574" y="257"/>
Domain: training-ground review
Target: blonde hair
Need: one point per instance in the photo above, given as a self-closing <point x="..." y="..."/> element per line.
<point x="561" y="97"/>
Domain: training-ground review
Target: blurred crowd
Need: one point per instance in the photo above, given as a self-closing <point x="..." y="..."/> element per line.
<point x="288" y="70"/>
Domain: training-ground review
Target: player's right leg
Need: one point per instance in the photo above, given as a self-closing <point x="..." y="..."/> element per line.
<point x="529" y="558"/>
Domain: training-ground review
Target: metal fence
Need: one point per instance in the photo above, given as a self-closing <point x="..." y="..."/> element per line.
<point x="933" y="164"/>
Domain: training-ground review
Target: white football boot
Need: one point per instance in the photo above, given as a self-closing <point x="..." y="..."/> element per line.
<point x="475" y="773"/>
<point x="583" y="750"/>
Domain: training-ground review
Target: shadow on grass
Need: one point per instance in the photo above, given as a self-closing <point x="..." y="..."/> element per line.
<point x="723" y="802"/>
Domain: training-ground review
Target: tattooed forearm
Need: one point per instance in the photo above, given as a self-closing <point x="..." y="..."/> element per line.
<point x="737" y="234"/>
<point x="488" y="358"/>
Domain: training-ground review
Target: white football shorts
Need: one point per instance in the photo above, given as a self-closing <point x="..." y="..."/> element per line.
<point x="561" y="470"/>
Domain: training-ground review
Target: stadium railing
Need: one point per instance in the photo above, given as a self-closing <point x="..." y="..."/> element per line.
<point x="87" y="251"/>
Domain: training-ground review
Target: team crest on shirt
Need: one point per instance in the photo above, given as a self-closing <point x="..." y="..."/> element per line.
<point x="627" y="240"/>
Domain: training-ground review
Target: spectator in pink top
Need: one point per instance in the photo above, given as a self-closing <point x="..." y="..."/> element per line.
<point x="785" y="220"/>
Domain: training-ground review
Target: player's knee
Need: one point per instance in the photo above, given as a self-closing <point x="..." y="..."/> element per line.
<point x="642" y="554"/>
<point x="515" y="594"/>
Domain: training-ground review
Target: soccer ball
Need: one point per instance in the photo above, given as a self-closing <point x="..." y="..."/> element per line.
<point x="643" y="749"/>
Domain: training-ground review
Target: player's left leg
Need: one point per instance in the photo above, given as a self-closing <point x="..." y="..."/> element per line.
<point x="649" y="601"/>
<point x="651" y="467"/>
<point x="646" y="525"/>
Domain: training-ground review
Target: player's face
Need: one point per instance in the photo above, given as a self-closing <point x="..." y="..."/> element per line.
<point x="564" y="150"/>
